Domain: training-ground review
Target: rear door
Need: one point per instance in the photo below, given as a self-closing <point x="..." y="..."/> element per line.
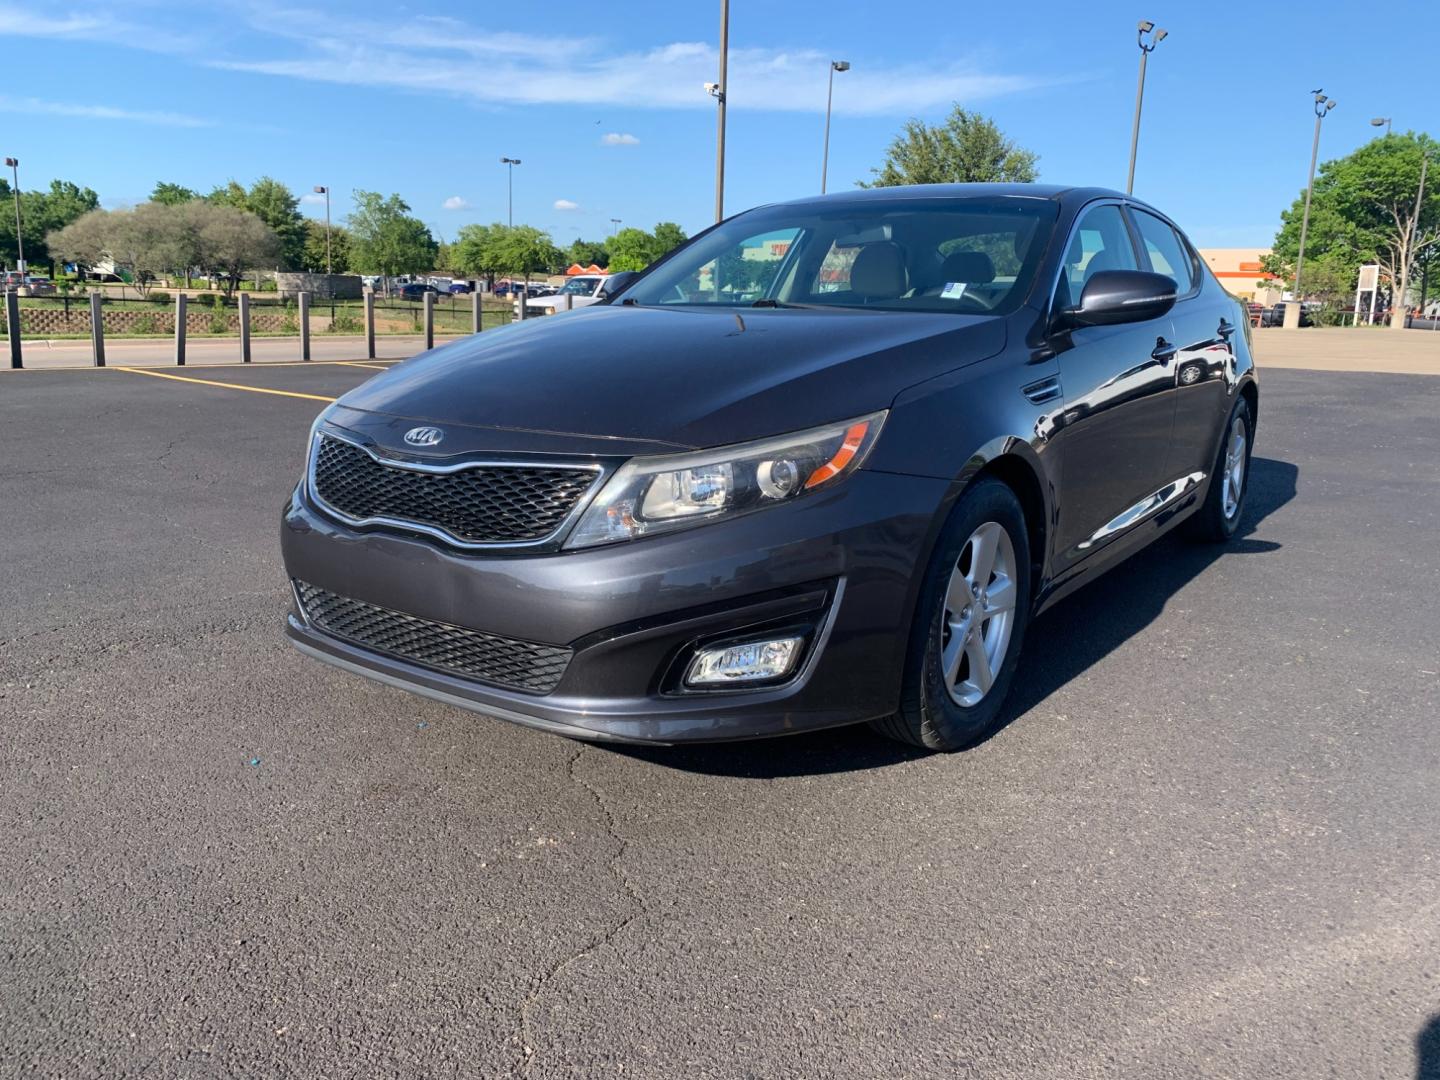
<point x="1113" y="439"/>
<point x="1205" y="319"/>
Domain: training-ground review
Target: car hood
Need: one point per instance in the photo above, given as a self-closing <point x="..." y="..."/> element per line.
<point x="677" y="377"/>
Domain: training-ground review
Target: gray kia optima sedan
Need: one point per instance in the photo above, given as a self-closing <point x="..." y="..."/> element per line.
<point x="820" y="465"/>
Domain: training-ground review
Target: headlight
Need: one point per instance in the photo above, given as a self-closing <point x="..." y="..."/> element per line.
<point x="656" y="494"/>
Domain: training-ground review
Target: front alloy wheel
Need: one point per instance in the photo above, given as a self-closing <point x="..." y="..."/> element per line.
<point x="970" y="619"/>
<point x="979" y="614"/>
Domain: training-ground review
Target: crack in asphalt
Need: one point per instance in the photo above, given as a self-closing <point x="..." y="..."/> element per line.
<point x="527" y="1041"/>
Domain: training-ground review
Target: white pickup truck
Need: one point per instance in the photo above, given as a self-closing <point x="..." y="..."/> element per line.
<point x="581" y="290"/>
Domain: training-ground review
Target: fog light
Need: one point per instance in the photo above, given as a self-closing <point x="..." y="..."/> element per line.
<point x="751" y="662"/>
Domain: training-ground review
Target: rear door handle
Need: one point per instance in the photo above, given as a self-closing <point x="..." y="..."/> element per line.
<point x="1163" y="352"/>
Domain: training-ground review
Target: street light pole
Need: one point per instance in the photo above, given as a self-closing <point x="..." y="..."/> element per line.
<point x="510" y="200"/>
<point x="1322" y="106"/>
<point x="616" y="222"/>
<point x="1382" y="121"/>
<point x="1145" y="50"/>
<point x="717" y="90"/>
<point x="835" y="65"/>
<point x="14" y="164"/>
<point x="321" y="189"/>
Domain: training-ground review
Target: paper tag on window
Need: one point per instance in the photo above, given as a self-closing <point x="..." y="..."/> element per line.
<point x="953" y="290"/>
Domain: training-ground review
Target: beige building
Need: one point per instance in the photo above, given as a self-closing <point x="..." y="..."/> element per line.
<point x="1239" y="271"/>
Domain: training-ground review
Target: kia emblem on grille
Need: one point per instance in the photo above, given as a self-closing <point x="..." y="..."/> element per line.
<point x="424" y="436"/>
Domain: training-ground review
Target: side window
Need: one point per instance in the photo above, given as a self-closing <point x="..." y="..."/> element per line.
<point x="1099" y="242"/>
<point x="1168" y="254"/>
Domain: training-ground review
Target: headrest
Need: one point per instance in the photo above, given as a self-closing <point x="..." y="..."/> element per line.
<point x="878" y="271"/>
<point x="971" y="267"/>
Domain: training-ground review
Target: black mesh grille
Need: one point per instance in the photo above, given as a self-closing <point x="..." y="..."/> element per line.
<point x="485" y="504"/>
<point x="455" y="650"/>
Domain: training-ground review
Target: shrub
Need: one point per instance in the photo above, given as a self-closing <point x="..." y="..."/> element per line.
<point x="219" y="322"/>
<point x="268" y="285"/>
<point x="158" y="296"/>
<point x="290" y="324"/>
<point x="346" y="322"/>
<point x="145" y="324"/>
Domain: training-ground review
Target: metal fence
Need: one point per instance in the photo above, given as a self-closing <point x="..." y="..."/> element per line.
<point x="181" y="315"/>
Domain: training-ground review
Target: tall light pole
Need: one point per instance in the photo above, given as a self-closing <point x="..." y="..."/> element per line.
<point x="321" y="189"/>
<point x="510" y="162"/>
<point x="835" y="65"/>
<point x="1145" y="50"/>
<point x="14" y="164"/>
<point x="1322" y="106"/>
<point x="615" y="221"/>
<point x="717" y="91"/>
<point x="1382" y="121"/>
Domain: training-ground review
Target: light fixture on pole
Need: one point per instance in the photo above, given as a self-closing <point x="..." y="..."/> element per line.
<point x="1381" y="121"/>
<point x="835" y="65"/>
<point x="510" y="162"/>
<point x="14" y="163"/>
<point x="717" y="91"/>
<point x="1145" y="50"/>
<point x="1323" y="105"/>
<point x="322" y="189"/>
<point x="616" y="222"/>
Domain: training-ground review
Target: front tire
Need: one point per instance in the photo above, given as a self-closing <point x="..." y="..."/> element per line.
<point x="970" y="620"/>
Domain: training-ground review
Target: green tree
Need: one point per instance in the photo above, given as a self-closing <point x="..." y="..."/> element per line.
<point x="1364" y="209"/>
<point x="668" y="236"/>
<point x="313" y="258"/>
<point x="966" y="149"/>
<point x="524" y="250"/>
<point x="474" y="253"/>
<point x="41" y="213"/>
<point x="635" y="249"/>
<point x="274" y="204"/>
<point x="588" y="252"/>
<point x="385" y="239"/>
<point x="168" y="194"/>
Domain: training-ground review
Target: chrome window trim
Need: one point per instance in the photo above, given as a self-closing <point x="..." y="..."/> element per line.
<point x="551" y="538"/>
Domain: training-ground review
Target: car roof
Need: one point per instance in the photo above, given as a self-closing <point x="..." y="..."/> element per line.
<point x="1062" y="193"/>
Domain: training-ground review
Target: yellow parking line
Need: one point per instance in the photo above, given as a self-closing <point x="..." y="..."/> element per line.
<point x="226" y="385"/>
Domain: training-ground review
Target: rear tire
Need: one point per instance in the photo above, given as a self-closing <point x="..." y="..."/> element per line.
<point x="970" y="620"/>
<point x="1219" y="517"/>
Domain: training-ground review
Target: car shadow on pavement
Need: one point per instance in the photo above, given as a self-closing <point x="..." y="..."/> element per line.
<point x="1427" y="1050"/>
<point x="1064" y="642"/>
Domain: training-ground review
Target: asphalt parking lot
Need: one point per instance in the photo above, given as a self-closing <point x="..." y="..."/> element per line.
<point x="1205" y="846"/>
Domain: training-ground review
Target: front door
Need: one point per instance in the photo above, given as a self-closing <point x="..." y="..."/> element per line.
<point x="1113" y="439"/>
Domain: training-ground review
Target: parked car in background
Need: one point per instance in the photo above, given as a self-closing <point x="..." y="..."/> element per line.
<point x="820" y="465"/>
<point x="416" y="290"/>
<point x="28" y="284"/>
<point x="1275" y="316"/>
<point x="460" y="288"/>
<point x="581" y="291"/>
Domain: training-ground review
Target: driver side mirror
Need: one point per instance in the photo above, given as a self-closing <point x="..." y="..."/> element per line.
<point x="1111" y="297"/>
<point x="616" y="283"/>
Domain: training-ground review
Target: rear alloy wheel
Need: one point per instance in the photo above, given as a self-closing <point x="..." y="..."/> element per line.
<point x="970" y="620"/>
<point x="1218" y="519"/>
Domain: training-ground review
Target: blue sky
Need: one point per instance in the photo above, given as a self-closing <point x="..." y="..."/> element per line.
<point x="604" y="103"/>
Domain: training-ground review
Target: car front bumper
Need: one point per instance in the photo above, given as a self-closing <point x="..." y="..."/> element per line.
<point x="841" y="567"/>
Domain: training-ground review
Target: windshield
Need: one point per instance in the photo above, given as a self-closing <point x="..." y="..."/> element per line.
<point x="974" y="256"/>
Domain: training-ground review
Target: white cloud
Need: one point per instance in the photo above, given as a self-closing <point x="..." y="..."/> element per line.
<point x="566" y="204"/>
<point x="437" y="56"/>
<point x="313" y="197"/>
<point x="103" y="112"/>
<point x="616" y="138"/>
<point x="455" y="202"/>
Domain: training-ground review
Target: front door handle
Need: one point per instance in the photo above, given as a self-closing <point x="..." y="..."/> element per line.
<point x="1163" y="352"/>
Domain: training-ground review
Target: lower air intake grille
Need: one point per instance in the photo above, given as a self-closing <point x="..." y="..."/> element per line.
<point x="455" y="650"/>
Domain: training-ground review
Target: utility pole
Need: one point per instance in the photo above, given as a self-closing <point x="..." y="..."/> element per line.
<point x="510" y="200"/>
<point x="321" y="189"/>
<point x="1323" y="105"/>
<point x="717" y="90"/>
<point x="14" y="164"/>
<point x="835" y="65"/>
<point x="1145" y="50"/>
